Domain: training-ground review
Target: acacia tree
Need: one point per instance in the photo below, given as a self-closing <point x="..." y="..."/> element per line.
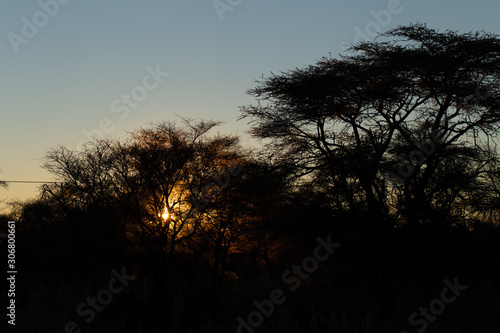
<point x="345" y="124"/>
<point x="162" y="188"/>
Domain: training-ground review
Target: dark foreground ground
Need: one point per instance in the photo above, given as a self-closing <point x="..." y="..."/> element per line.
<point x="423" y="279"/>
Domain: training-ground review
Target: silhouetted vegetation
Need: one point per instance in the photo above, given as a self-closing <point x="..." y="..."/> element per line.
<point x="390" y="150"/>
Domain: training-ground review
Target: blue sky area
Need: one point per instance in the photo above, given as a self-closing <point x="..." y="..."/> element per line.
<point x="66" y="65"/>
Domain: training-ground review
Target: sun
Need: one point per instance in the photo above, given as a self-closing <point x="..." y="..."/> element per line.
<point x="165" y="214"/>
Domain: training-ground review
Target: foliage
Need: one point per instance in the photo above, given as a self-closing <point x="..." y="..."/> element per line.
<point x="344" y="123"/>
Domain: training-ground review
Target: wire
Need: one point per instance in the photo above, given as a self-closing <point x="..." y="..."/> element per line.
<point x="28" y="182"/>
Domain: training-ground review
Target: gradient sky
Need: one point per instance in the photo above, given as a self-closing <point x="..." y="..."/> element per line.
<point x="65" y="77"/>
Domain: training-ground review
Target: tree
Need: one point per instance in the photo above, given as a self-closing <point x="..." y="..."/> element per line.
<point x="162" y="193"/>
<point x="415" y="96"/>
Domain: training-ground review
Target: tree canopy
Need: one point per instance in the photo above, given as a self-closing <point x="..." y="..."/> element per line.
<point x="380" y="126"/>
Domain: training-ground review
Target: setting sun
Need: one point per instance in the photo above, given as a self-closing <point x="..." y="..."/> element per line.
<point x="165" y="214"/>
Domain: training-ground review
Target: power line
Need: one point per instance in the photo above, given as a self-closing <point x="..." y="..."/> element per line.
<point x="28" y="182"/>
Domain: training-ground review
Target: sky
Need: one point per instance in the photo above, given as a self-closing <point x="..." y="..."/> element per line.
<point x="73" y="69"/>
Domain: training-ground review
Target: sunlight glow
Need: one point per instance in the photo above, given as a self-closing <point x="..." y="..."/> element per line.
<point x="165" y="214"/>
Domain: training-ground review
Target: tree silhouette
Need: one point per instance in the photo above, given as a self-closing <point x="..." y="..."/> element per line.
<point x="163" y="193"/>
<point x="433" y="96"/>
